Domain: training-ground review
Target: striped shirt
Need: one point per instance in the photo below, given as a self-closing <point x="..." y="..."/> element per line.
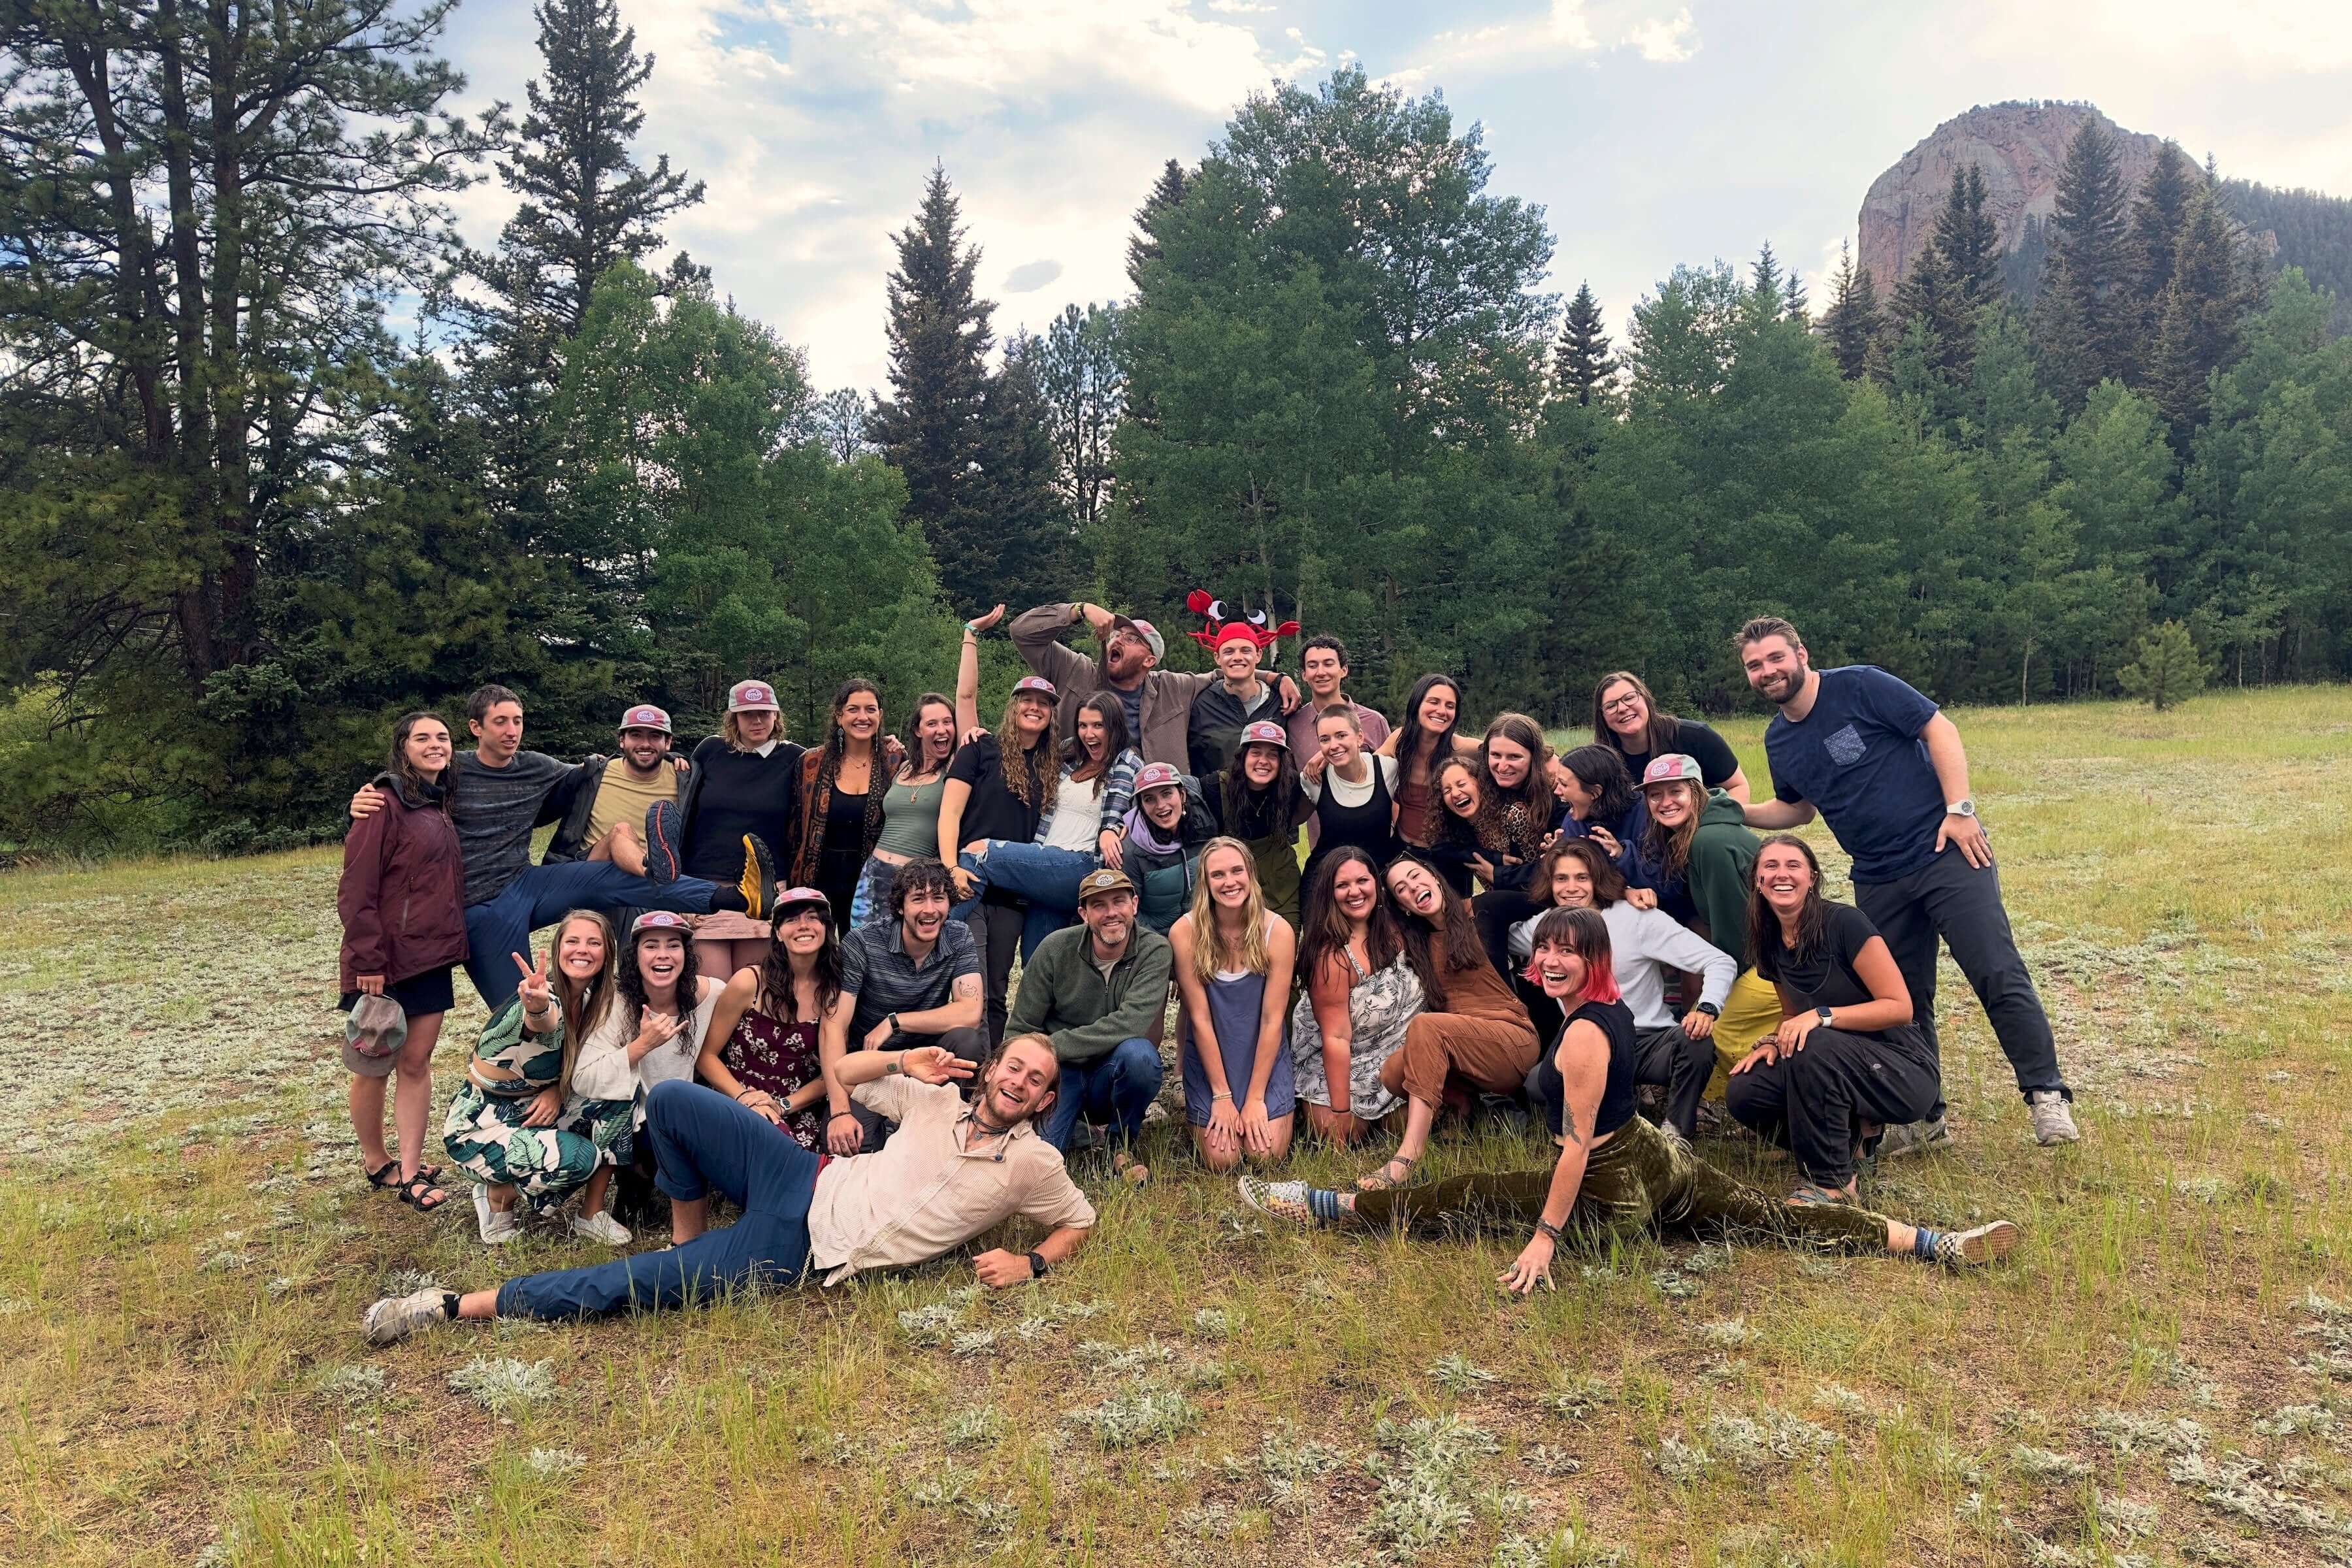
<point x="875" y="969"/>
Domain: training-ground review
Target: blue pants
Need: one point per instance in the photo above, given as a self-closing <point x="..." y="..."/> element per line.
<point x="702" y="1142"/>
<point x="1118" y="1086"/>
<point x="499" y="928"/>
<point x="1045" y="881"/>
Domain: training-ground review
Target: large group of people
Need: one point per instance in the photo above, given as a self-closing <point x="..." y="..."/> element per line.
<point x="784" y="974"/>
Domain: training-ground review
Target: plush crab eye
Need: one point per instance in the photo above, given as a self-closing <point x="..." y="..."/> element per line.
<point x="1258" y="619"/>
<point x="1216" y="610"/>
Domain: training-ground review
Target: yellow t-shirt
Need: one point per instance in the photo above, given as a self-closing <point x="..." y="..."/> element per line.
<point x="620" y="798"/>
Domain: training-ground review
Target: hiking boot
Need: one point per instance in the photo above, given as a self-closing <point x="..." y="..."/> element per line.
<point x="759" y="884"/>
<point x="600" y="1226"/>
<point x="2053" y="1118"/>
<point x="1913" y="1138"/>
<point x="395" y="1318"/>
<point x="661" y="843"/>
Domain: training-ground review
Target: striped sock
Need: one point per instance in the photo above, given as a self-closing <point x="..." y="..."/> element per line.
<point x="1925" y="1245"/>
<point x="1324" y="1205"/>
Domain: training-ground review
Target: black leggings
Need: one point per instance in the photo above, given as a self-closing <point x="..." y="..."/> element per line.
<point x="1814" y="1100"/>
<point x="997" y="929"/>
<point x="1638" y="1180"/>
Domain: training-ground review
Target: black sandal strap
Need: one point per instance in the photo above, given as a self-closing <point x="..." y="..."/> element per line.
<point x="413" y="1190"/>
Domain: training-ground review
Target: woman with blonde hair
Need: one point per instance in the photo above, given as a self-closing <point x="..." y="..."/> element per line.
<point x="1234" y="960"/>
<point x="744" y="783"/>
<point x="516" y="1125"/>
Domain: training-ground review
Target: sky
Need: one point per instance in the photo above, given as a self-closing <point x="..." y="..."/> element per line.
<point x="1653" y="133"/>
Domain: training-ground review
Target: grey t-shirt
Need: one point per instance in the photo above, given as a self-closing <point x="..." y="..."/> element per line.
<point x="494" y="813"/>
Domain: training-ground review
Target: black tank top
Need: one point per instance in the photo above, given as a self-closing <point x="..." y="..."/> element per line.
<point x="1368" y="826"/>
<point x="1614" y="1020"/>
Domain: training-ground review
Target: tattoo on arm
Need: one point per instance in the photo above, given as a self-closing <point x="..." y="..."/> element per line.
<point x="965" y="986"/>
<point x="1568" y="1123"/>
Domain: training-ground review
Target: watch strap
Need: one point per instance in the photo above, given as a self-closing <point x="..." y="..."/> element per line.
<point x="1036" y="1265"/>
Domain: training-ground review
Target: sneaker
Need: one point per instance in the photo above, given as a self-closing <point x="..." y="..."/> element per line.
<point x="2053" y="1118"/>
<point x="600" y="1226"/>
<point x="497" y="1228"/>
<point x="661" y="842"/>
<point x="759" y="884"/>
<point x="395" y="1318"/>
<point x="1278" y="1200"/>
<point x="1913" y="1138"/>
<point x="1986" y="1244"/>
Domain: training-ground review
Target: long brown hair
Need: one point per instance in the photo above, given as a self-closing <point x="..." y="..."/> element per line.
<point x="585" y="1006"/>
<point x="1255" y="813"/>
<point x="400" y="768"/>
<point x="1532" y="794"/>
<point x="1608" y="881"/>
<point x="837" y="750"/>
<point x="776" y="997"/>
<point x="1660" y="729"/>
<point x="632" y="979"/>
<point x="1764" y="921"/>
<point x="913" y="768"/>
<point x="1670" y="847"/>
<point x="1108" y="707"/>
<point x="1439" y="747"/>
<point x="1029" y="776"/>
<point x="1449" y="947"/>
<point x="1327" y="926"/>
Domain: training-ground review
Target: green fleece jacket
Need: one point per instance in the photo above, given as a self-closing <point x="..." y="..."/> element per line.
<point x="1065" y="996"/>
<point x="1722" y="873"/>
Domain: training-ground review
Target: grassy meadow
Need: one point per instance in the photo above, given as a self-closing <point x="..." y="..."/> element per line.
<point x="2162" y="1373"/>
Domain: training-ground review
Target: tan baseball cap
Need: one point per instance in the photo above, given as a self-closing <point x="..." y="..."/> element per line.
<point x="1095" y="884"/>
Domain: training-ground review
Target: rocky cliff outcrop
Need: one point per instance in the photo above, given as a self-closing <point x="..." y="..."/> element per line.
<point x="2020" y="147"/>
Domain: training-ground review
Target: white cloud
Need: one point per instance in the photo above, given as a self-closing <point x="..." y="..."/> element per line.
<point x="1664" y="40"/>
<point x="1660" y="32"/>
<point x="2290" y="37"/>
<point x="1031" y="276"/>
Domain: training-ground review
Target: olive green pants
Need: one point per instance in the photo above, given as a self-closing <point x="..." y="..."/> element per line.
<point x="1637" y="1180"/>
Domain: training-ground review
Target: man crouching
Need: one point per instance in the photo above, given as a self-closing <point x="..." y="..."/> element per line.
<point x="952" y="1172"/>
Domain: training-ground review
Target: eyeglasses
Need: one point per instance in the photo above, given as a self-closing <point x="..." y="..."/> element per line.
<point x="1618" y="704"/>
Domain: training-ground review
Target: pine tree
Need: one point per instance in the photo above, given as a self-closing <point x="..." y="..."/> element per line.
<point x="2157" y="216"/>
<point x="2091" y="255"/>
<point x="1767" y="288"/>
<point x="586" y="202"/>
<point x="2165" y="668"/>
<point x="1796" y="309"/>
<point x="966" y="446"/>
<point x="1852" y="324"/>
<point x="2197" y="319"/>
<point x="1166" y="192"/>
<point x="1970" y="243"/>
<point x="1583" y="368"/>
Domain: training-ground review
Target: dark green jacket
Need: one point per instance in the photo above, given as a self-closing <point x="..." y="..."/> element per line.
<point x="1722" y="873"/>
<point x="1065" y="997"/>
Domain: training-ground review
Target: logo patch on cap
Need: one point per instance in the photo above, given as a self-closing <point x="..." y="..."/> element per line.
<point x="645" y="716"/>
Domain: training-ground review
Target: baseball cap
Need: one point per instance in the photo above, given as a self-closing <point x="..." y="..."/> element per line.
<point x="373" y="1033"/>
<point x="657" y="919"/>
<point x="752" y="696"/>
<point x="1144" y="630"/>
<point x="1259" y="733"/>
<point x="1157" y="775"/>
<point x="1035" y="686"/>
<point x="645" y="716"/>
<point x="1672" y="768"/>
<point x="1095" y="884"/>
<point x="792" y="899"/>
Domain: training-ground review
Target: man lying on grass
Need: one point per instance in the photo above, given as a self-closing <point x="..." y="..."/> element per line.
<point x="949" y="1173"/>
<point x="1616" y="1172"/>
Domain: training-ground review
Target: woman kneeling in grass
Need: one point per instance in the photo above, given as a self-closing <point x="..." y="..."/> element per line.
<point x="1616" y="1174"/>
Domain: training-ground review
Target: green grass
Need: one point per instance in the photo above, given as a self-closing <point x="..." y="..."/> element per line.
<point x="2159" y="1374"/>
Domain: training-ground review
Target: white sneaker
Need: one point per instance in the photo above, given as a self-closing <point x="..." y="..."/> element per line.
<point x="600" y="1226"/>
<point x="2053" y="1118"/>
<point x="497" y="1228"/>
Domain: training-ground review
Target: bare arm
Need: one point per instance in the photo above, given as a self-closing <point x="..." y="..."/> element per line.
<point x="967" y="691"/>
<point x="961" y="1010"/>
<point x="1889" y="1007"/>
<point x="1282" y="954"/>
<point x="1195" y="999"/>
<point x="1778" y="816"/>
<point x="1736" y="787"/>
<point x="843" y="1135"/>
<point x="1950" y="759"/>
<point x="1583" y="1062"/>
<point x="1327" y="992"/>
<point x="955" y="795"/>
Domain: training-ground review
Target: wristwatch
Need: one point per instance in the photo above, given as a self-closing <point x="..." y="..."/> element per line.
<point x="1709" y="1008"/>
<point x="893" y="1021"/>
<point x="1962" y="808"/>
<point x="1822" y="1014"/>
<point x="1036" y="1266"/>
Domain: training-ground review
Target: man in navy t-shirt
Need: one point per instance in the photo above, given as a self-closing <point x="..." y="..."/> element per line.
<point x="1888" y="771"/>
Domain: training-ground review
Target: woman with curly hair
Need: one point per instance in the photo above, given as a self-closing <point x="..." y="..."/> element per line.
<point x="1000" y="789"/>
<point x="1617" y="1178"/>
<point x="1361" y="991"/>
<point x="764" y="1046"/>
<point x="519" y="1125"/>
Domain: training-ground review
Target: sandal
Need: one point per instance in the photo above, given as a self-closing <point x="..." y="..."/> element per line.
<point x="389" y="1176"/>
<point x="1812" y="1195"/>
<point x="419" y="1193"/>
<point x="1380" y="1180"/>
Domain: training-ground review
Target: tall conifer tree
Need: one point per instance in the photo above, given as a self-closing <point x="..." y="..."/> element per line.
<point x="1853" y="323"/>
<point x="1583" y="367"/>
<point x="2159" y="214"/>
<point x="2091" y="338"/>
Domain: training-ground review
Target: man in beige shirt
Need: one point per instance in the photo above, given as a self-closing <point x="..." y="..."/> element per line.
<point x="951" y="1173"/>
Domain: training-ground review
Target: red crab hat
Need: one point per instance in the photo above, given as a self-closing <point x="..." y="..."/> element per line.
<point x="1222" y="629"/>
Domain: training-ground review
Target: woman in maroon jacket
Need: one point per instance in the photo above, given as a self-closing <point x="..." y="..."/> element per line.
<point x="403" y="904"/>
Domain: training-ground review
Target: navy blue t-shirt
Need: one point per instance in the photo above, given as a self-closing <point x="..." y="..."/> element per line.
<point x="1858" y="757"/>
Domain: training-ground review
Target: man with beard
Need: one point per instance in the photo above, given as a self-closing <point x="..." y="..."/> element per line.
<point x="951" y="1173"/>
<point x="614" y="813"/>
<point x="1159" y="702"/>
<point x="1887" y="768"/>
<point x="1100" y="991"/>
<point x="914" y="982"/>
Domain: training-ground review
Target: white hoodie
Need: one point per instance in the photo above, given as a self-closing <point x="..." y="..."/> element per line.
<point x="1642" y="943"/>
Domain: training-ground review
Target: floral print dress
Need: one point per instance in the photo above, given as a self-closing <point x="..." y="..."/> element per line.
<point x="483" y="1131"/>
<point x="1380" y="1006"/>
<point x="780" y="1058"/>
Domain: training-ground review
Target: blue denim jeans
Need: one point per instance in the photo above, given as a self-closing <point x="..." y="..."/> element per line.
<point x="702" y="1142"/>
<point x="500" y="927"/>
<point x="1118" y="1086"/>
<point x="1045" y="881"/>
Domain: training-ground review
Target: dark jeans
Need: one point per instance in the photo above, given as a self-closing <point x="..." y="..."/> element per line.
<point x="997" y="929"/>
<point x="1812" y="1100"/>
<point x="499" y="927"/>
<point x="1669" y="1058"/>
<point x="1962" y="903"/>
<point x="972" y="1045"/>
<point x="1120" y="1085"/>
<point x="1495" y="912"/>
<point x="703" y="1143"/>
<point x="1639" y="1179"/>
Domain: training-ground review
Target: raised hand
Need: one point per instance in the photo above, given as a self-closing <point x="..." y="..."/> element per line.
<point x="982" y="623"/>
<point x="534" y="987"/>
<point x="933" y="1064"/>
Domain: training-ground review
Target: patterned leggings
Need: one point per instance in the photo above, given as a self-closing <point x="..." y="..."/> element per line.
<point x="487" y="1140"/>
<point x="1637" y="1180"/>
